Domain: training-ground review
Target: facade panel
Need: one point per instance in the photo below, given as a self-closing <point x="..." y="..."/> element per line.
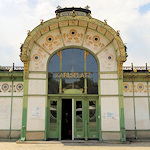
<point x="129" y="113"/>
<point x="109" y="114"/>
<point x="5" y="111"/>
<point x="36" y="113"/>
<point x="142" y="113"/>
<point x="16" y="122"/>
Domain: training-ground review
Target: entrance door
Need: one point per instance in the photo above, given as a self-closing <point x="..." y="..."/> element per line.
<point x="53" y="119"/>
<point x="79" y="119"/>
<point x="66" y="130"/>
<point x="92" y="119"/>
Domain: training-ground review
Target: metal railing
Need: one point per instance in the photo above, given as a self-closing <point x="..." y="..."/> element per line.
<point x="15" y="68"/>
<point x="21" y="68"/>
<point x="136" y="67"/>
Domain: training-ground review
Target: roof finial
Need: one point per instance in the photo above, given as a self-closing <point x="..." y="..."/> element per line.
<point x="58" y="7"/>
<point x="87" y="7"/>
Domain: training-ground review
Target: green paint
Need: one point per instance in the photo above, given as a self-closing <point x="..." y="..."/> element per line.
<point x="109" y="78"/>
<point x="73" y="91"/>
<point x="85" y="119"/>
<point x="99" y="110"/>
<point x="35" y="95"/>
<point x="121" y="110"/>
<point x="108" y="72"/>
<point x="11" y="96"/>
<point x="37" y="78"/>
<point x="59" y="118"/>
<point x="24" y="113"/>
<point x="46" y="110"/>
<point x="111" y="131"/>
<point x="71" y="95"/>
<point x="138" y="77"/>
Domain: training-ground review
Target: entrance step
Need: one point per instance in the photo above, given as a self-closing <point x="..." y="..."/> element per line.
<point x="70" y="142"/>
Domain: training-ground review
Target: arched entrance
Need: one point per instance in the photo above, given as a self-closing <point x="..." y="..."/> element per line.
<point x="73" y="95"/>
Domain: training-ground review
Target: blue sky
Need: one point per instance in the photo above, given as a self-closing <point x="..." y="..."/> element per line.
<point x="131" y="17"/>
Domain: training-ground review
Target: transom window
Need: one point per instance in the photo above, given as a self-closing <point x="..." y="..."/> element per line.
<point x="73" y="69"/>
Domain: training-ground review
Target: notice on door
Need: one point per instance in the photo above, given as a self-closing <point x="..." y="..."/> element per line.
<point x="36" y="112"/>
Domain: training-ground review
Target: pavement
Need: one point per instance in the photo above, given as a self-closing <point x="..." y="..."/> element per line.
<point x="73" y="145"/>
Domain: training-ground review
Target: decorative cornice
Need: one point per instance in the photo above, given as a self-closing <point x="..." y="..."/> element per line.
<point x="36" y="32"/>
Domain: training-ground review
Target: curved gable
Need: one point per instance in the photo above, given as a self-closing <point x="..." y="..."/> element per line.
<point x="69" y="31"/>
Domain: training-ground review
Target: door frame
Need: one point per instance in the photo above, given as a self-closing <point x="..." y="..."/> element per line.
<point x="84" y="99"/>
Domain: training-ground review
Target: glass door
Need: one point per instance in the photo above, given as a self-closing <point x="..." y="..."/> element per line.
<point x="53" y="119"/>
<point x="92" y="119"/>
<point x="78" y="119"/>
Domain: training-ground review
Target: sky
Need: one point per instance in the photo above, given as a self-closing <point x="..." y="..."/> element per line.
<point x="130" y="17"/>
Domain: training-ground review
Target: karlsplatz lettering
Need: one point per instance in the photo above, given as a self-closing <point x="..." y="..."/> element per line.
<point x="73" y="75"/>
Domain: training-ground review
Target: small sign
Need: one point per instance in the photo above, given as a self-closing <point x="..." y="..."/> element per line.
<point x="36" y="112"/>
<point x="110" y="115"/>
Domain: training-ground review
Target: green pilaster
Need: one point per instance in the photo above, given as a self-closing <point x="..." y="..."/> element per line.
<point x="99" y="111"/>
<point x="24" y="113"/>
<point x="121" y="110"/>
<point x="25" y="102"/>
<point x="12" y="78"/>
<point x="86" y="119"/>
<point x="46" y="109"/>
<point x="59" y="118"/>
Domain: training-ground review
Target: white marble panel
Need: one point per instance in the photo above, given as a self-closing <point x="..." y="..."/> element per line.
<point x="110" y="113"/>
<point x="127" y="89"/>
<point x="18" y="89"/>
<point x="142" y="113"/>
<point x="51" y="41"/>
<point x="107" y="59"/>
<point x="38" y="59"/>
<point x="17" y="106"/>
<point x="140" y="89"/>
<point x="37" y="76"/>
<point x="108" y="76"/>
<point x="73" y="35"/>
<point x="109" y="87"/>
<point x="5" y="88"/>
<point x="5" y="109"/>
<point x="37" y="87"/>
<point x="94" y="41"/>
<point x="36" y="113"/>
<point x="129" y="113"/>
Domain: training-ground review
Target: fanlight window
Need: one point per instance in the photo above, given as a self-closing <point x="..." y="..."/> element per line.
<point x="73" y="69"/>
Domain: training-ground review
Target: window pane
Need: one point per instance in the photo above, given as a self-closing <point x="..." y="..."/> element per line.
<point x="54" y="64"/>
<point x="78" y="114"/>
<point x="53" y="84"/>
<point x="73" y="83"/>
<point x="92" y="111"/>
<point x="53" y="112"/>
<point x="92" y="82"/>
<point x="53" y="68"/>
<point x="73" y="60"/>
